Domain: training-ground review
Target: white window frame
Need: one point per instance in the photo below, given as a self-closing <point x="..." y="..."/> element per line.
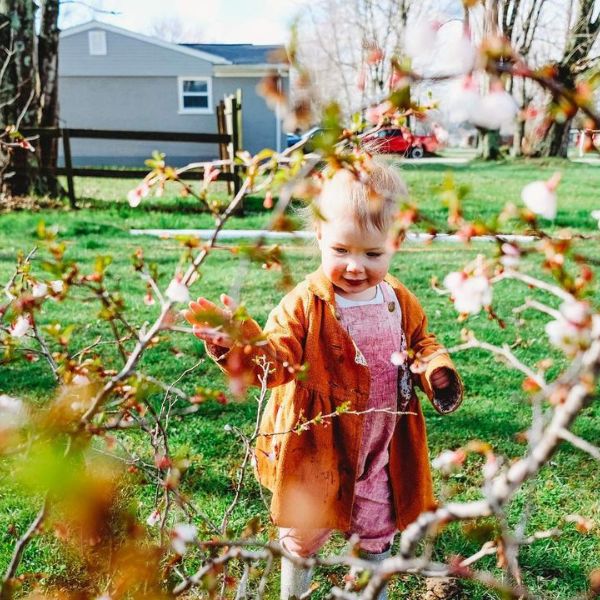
<point x="97" y="42"/>
<point x="195" y="111"/>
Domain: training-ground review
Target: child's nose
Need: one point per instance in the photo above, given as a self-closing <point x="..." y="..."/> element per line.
<point x="353" y="266"/>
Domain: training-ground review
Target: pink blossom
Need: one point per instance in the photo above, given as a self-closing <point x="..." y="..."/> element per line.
<point x="20" y="327"/>
<point x="177" y="291"/>
<point x="149" y="299"/>
<point x="210" y="174"/>
<point x="540" y="197"/>
<point x="361" y="80"/>
<point x="26" y="145"/>
<point x="374" y="114"/>
<point x="154" y="518"/>
<point x="374" y="55"/>
<point x="134" y="197"/>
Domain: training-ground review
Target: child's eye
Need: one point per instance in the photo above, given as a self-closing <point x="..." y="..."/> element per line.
<point x="340" y="250"/>
<point x="374" y="254"/>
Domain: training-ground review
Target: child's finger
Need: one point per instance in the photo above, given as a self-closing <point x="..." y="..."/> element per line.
<point x="228" y="302"/>
<point x="202" y="306"/>
<point x="212" y="336"/>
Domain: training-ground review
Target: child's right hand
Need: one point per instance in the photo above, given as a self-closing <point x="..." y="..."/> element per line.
<point x="210" y="322"/>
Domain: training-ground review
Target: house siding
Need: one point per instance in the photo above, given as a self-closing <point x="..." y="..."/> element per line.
<point x="132" y="103"/>
<point x="126" y="57"/>
<point x="135" y="87"/>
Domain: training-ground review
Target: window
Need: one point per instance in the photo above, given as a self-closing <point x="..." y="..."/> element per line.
<point x="195" y="95"/>
<point x="97" y="43"/>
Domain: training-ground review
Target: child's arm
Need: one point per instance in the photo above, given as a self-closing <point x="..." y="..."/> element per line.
<point x="281" y="341"/>
<point x="439" y="380"/>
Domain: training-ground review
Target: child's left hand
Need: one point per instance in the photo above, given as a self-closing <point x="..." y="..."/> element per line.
<point x="441" y="378"/>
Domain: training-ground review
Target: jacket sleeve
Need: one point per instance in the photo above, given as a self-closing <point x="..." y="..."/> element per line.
<point x="424" y="345"/>
<point x="281" y="342"/>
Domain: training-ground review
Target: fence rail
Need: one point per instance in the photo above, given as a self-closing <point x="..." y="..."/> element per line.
<point x="228" y="139"/>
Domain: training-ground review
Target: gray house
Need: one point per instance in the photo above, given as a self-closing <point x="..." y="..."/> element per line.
<point x="112" y="78"/>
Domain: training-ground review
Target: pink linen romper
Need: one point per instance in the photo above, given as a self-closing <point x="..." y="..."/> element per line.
<point x="376" y="330"/>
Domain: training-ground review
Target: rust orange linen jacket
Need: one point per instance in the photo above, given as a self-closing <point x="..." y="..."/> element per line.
<point x="312" y="474"/>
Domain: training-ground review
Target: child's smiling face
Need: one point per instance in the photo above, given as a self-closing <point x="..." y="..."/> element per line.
<point x="353" y="258"/>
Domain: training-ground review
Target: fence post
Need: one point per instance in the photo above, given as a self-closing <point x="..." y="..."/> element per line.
<point x="235" y="141"/>
<point x="222" y="129"/>
<point x="69" y="167"/>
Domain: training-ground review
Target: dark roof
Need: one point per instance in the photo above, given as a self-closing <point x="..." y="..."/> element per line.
<point x="238" y="54"/>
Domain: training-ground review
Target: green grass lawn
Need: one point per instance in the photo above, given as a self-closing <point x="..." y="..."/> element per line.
<point x="495" y="407"/>
<point x="491" y="187"/>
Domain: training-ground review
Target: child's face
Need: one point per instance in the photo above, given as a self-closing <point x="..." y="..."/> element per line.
<point x="355" y="260"/>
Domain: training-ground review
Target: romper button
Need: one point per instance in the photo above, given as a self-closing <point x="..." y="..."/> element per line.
<point x="337" y="314"/>
<point x="391" y="306"/>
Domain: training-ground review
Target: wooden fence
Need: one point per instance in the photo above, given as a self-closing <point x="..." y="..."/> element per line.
<point x="228" y="139"/>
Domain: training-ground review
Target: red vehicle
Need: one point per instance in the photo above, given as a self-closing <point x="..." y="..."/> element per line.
<point x="401" y="140"/>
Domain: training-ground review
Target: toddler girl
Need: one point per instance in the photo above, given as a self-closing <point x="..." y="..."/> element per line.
<point x="364" y="471"/>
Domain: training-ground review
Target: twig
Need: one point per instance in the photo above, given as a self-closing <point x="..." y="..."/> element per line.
<point x="20" y="548"/>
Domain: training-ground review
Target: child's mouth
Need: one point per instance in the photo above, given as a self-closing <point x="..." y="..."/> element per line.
<point x="354" y="282"/>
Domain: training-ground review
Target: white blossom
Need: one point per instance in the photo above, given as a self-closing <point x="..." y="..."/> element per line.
<point x="511" y="255"/>
<point x="39" y="290"/>
<point x="398" y="358"/>
<point x="177" y="291"/>
<point x="57" y="286"/>
<point x="540" y="197"/>
<point x="227" y="428"/>
<point x="80" y="380"/>
<point x="456" y="56"/>
<point x="20" y="327"/>
<point x="420" y="39"/>
<point x="574" y="329"/>
<point x="596" y="215"/>
<point x="463" y="99"/>
<point x="496" y="110"/>
<point x="447" y="461"/>
<point x="12" y="412"/>
<point x="182" y="535"/>
<point x="469" y="293"/>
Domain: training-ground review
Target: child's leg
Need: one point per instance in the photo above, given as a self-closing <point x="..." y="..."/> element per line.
<point x="295" y="580"/>
<point x="373" y="521"/>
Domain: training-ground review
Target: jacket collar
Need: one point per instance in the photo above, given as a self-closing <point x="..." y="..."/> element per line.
<point x="321" y="287"/>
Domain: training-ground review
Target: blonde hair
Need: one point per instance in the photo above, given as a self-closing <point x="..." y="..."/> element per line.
<point x="371" y="196"/>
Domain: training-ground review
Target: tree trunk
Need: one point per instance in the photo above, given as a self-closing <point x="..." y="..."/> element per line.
<point x="556" y="140"/>
<point x="489" y="145"/>
<point x="20" y="86"/>
<point x="48" y="38"/>
<point x="29" y="92"/>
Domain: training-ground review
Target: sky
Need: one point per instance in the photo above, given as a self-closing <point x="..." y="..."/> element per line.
<point x="218" y="21"/>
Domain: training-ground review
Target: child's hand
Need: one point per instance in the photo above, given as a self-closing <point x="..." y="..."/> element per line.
<point x="210" y="322"/>
<point x="441" y="378"/>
